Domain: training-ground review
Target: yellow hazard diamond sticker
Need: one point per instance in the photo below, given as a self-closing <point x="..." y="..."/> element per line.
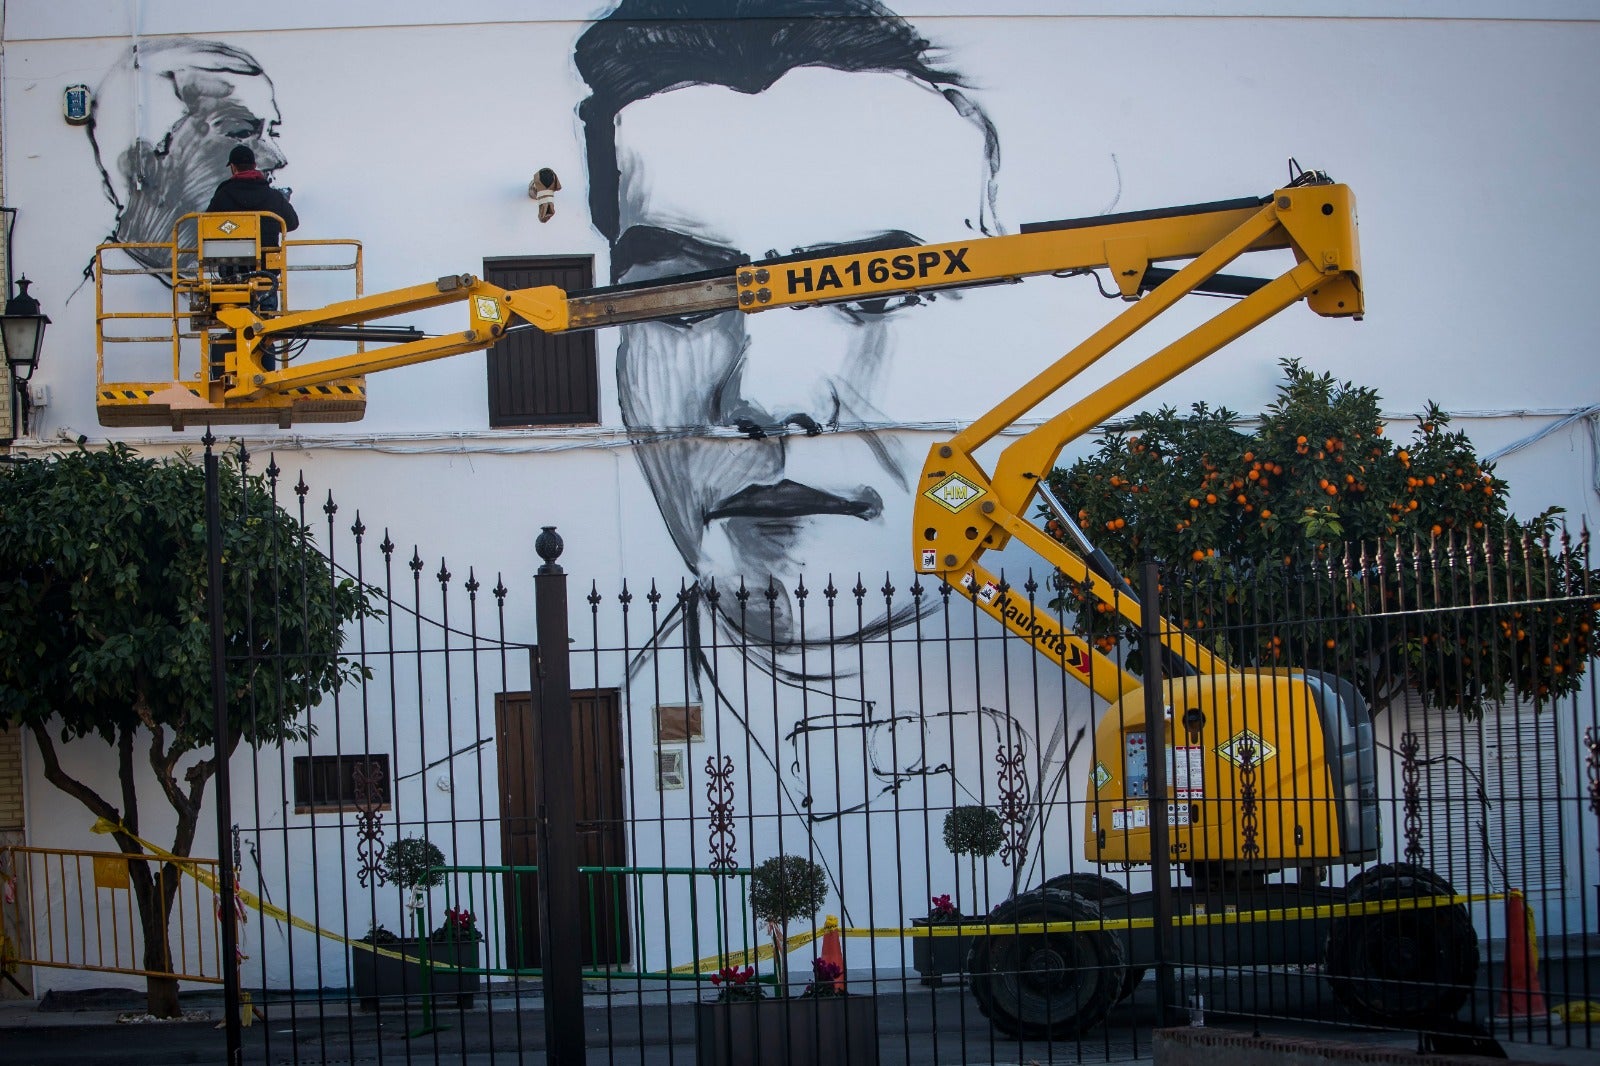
<point x="488" y="308"/>
<point x="954" y="493"/>
<point x="228" y="226"/>
<point x="1101" y="776"/>
<point x="1246" y="745"/>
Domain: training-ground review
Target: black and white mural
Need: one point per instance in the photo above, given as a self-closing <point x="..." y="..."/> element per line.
<point x="162" y="122"/>
<point x="770" y="442"/>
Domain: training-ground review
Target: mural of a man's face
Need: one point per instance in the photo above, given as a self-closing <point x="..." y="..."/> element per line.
<point x="816" y="480"/>
<point x="178" y="176"/>
<point x="206" y="98"/>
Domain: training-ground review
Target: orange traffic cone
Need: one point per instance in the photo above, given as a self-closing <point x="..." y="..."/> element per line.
<point x="1520" y="994"/>
<point x="832" y="951"/>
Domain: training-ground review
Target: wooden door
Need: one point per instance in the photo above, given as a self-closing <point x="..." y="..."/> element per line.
<point x="602" y="838"/>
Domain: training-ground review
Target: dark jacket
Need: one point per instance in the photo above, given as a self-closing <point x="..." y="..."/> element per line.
<point x="252" y="193"/>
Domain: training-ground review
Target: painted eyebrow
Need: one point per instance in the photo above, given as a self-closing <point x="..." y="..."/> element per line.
<point x="878" y="242"/>
<point x="644" y="245"/>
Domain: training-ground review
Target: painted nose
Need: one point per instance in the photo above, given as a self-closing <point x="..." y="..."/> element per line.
<point x="268" y="155"/>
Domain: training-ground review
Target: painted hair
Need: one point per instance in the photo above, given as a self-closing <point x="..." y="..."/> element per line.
<point x="645" y="47"/>
<point x="151" y="89"/>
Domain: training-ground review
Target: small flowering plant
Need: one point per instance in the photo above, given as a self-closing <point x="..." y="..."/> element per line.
<point x="942" y="910"/>
<point x="736" y="983"/>
<point x="459" y="924"/>
<point x="825" y="975"/>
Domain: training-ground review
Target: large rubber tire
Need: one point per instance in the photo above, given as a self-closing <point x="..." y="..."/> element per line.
<point x="1402" y="967"/>
<point x="1039" y="986"/>
<point x="1099" y="889"/>
<point x="1386" y="871"/>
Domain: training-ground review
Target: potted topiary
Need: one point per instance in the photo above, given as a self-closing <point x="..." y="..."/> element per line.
<point x="394" y="971"/>
<point x="782" y="889"/>
<point x="743" y="1027"/>
<point x="975" y="832"/>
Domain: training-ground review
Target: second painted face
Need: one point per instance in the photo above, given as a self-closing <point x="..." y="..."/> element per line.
<point x="766" y="438"/>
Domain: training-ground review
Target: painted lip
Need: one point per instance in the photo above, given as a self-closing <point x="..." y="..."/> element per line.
<point x="790" y="499"/>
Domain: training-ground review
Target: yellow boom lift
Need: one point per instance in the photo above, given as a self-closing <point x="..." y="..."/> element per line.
<point x="1270" y="771"/>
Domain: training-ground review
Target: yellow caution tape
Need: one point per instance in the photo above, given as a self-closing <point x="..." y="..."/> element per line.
<point x="1278" y="914"/>
<point x="1578" y="1011"/>
<point x="199" y="873"/>
<point x="768" y="951"/>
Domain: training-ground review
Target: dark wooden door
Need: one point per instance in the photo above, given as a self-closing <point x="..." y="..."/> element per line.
<point x="537" y="379"/>
<point x="602" y="839"/>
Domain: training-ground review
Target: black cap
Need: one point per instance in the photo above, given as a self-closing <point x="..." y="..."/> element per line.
<point x="242" y="157"/>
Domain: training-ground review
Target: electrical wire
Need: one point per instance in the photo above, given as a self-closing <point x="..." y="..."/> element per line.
<point x="1590" y="413"/>
<point x="1482" y="797"/>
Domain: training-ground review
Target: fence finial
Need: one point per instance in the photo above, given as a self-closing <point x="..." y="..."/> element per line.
<point x="549" y="544"/>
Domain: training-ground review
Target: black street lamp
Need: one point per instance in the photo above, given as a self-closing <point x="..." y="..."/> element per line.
<point x="22" y="330"/>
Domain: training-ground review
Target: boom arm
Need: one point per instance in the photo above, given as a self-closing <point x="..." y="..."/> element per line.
<point x="961" y="510"/>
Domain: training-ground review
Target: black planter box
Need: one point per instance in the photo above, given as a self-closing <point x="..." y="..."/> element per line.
<point x="935" y="957"/>
<point x="378" y="977"/>
<point x="798" y="1031"/>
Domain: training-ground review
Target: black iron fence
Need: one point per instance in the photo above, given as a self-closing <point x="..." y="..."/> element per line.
<point x="853" y="819"/>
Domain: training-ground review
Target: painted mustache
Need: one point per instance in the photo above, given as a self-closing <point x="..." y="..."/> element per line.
<point x="790" y="499"/>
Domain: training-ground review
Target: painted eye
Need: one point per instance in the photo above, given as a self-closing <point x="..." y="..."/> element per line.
<point x="879" y="306"/>
<point x="691" y="320"/>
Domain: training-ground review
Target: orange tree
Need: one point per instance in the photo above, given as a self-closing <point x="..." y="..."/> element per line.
<point x="1317" y="541"/>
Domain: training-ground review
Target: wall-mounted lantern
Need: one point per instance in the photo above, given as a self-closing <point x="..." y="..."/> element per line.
<point x="22" y="332"/>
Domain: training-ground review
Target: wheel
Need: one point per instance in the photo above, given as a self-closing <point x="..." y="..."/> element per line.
<point x="1402" y="967"/>
<point x="1046" y="985"/>
<point x="1434" y="884"/>
<point x="1097" y="888"/>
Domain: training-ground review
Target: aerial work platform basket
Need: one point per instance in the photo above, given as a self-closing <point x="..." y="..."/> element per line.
<point x="158" y="355"/>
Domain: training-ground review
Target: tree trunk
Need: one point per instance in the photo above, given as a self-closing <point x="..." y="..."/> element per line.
<point x="155" y="907"/>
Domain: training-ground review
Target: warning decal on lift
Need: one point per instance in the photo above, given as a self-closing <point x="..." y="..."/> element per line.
<point x="1246" y="743"/>
<point x="488" y="308"/>
<point x="987" y="593"/>
<point x="1101" y="776"/>
<point x="1188" y="772"/>
<point x="955" y="493"/>
<point x="1130" y="818"/>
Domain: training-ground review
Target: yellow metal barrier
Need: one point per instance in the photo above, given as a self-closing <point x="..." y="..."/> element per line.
<point x="83" y="916"/>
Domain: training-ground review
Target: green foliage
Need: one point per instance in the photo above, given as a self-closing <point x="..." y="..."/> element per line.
<point x="411" y="863"/>
<point x="1281" y="548"/>
<point x="103" y="612"/>
<point x="973" y="830"/>
<point x="105" y="631"/>
<point x="378" y="934"/>
<point x="787" y="887"/>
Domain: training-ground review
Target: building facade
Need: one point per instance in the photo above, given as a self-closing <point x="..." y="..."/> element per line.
<point x="416" y="130"/>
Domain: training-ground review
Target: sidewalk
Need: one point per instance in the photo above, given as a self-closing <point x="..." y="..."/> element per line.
<point x="917" y="1026"/>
